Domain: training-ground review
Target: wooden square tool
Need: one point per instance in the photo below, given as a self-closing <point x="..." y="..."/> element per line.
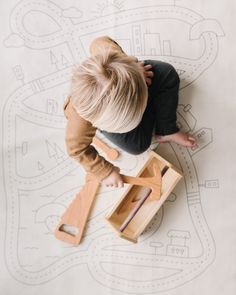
<point x="149" y="190"/>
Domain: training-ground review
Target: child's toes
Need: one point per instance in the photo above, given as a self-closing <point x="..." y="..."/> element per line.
<point x="191" y="138"/>
<point x="192" y="141"/>
<point x="189" y="143"/>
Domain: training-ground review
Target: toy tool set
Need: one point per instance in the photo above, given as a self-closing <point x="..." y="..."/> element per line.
<point x="133" y="211"/>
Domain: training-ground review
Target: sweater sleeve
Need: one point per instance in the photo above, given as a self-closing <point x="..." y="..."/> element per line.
<point x="79" y="137"/>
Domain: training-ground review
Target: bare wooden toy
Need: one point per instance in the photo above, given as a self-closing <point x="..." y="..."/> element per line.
<point x="111" y="153"/>
<point x="133" y="212"/>
<point x="136" y="208"/>
<point x="153" y="182"/>
<point x="73" y="221"/>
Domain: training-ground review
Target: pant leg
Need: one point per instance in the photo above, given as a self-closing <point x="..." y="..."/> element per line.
<point x="164" y="92"/>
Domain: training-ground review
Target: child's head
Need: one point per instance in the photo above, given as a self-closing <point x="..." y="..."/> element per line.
<point x="110" y="91"/>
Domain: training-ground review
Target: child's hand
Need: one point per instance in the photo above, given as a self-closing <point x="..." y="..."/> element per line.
<point x="113" y="179"/>
<point x="147" y="73"/>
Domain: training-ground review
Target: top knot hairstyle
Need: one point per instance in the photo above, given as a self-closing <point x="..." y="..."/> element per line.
<point x="109" y="90"/>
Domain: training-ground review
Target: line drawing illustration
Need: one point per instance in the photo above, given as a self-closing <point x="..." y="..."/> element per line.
<point x="34" y="177"/>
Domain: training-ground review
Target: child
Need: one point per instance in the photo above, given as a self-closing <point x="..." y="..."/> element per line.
<point x="126" y="101"/>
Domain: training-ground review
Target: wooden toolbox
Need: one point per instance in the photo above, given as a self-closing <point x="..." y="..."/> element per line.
<point x="136" y="208"/>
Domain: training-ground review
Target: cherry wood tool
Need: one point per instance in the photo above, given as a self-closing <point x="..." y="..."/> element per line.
<point x="111" y="153"/>
<point x="73" y="221"/>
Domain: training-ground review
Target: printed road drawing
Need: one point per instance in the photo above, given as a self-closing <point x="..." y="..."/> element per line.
<point x="40" y="179"/>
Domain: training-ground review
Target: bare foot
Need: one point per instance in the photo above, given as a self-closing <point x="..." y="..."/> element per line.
<point x="181" y="138"/>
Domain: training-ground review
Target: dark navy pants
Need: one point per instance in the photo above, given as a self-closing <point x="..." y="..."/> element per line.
<point x="159" y="115"/>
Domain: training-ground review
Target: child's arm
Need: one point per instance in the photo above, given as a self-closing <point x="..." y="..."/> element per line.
<point x="79" y="136"/>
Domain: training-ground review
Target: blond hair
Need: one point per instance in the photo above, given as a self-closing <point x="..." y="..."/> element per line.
<point x="110" y="91"/>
